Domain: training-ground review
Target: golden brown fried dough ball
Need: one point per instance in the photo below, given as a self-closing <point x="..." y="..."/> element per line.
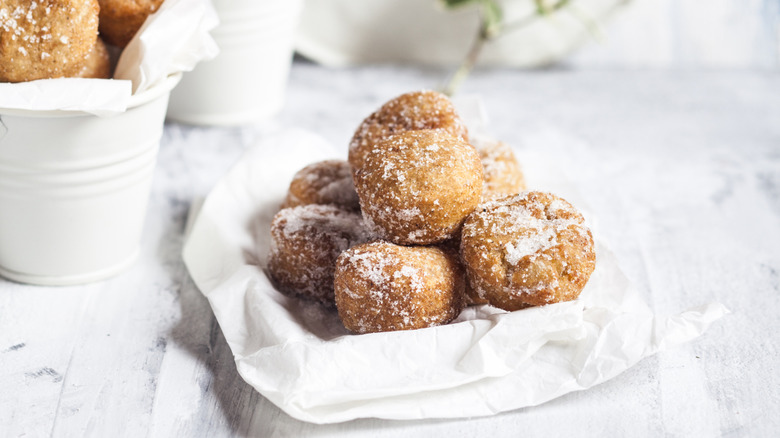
<point x="503" y="174"/>
<point x="453" y="245"/>
<point x="382" y="287"/>
<point x="98" y="65"/>
<point x="325" y="182"/>
<point x="419" y="186"/>
<point x="472" y="298"/>
<point x="305" y="242"/>
<point x="407" y="112"/>
<point x="43" y="39"/>
<point x="527" y="250"/>
<point x="121" y="19"/>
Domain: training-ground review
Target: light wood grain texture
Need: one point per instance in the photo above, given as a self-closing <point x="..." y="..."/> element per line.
<point x="681" y="172"/>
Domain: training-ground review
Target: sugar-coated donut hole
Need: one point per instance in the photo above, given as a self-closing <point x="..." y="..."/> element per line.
<point x="418" y="110"/>
<point x="324" y="182"/>
<point x="417" y="187"/>
<point x="98" y="64"/>
<point x="380" y="286"/>
<point x="526" y="250"/>
<point x="305" y="242"/>
<point x="502" y="173"/>
<point x="46" y="39"/>
<point x="120" y="20"/>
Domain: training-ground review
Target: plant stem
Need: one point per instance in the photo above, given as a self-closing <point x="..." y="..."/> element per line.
<point x="483" y="36"/>
<point x="465" y="67"/>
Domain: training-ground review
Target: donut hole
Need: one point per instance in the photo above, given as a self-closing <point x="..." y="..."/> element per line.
<point x="324" y="182"/>
<point x="424" y="203"/>
<point x="418" y="110"/>
<point x="526" y="250"/>
<point x="380" y="286"/>
<point x="305" y="243"/>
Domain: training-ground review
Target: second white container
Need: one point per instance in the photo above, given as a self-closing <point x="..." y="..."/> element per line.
<point x="246" y="82"/>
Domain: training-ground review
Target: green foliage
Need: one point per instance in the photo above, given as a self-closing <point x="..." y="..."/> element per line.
<point x="492" y="18"/>
<point x="547" y="7"/>
<point x="458" y="3"/>
<point x="492" y="26"/>
<point x="491" y="12"/>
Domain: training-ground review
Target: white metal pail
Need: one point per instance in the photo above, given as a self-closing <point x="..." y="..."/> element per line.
<point x="74" y="189"/>
<point x="246" y="82"/>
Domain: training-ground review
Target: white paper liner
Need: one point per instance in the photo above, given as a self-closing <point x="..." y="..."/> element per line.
<point x="95" y="96"/>
<point x="173" y="39"/>
<point x="301" y="358"/>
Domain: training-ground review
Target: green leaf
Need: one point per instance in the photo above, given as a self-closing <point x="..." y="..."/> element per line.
<point x="543" y="8"/>
<point x="452" y="4"/>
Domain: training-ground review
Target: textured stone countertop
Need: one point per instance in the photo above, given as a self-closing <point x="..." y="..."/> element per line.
<point x="681" y="171"/>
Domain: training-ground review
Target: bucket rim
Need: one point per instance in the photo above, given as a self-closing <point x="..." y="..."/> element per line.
<point x="135" y="101"/>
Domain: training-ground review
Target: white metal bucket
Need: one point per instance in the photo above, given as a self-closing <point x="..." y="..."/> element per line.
<point x="74" y="189"/>
<point x="246" y="82"/>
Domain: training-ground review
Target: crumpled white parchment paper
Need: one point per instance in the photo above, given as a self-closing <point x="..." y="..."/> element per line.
<point x="300" y="357"/>
<point x="173" y="39"/>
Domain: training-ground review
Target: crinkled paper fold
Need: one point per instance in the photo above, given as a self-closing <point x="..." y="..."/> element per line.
<point x="300" y="357"/>
<point x="173" y="39"/>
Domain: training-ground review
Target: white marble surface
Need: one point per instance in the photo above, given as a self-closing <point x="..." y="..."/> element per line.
<point x="680" y="170"/>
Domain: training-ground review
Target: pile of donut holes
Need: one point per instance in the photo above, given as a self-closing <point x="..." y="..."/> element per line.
<point x="420" y="223"/>
<point x="45" y="39"/>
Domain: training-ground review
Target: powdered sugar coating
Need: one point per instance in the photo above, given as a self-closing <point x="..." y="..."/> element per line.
<point x="41" y="39"/>
<point x="417" y="187"/>
<point x="381" y="286"/>
<point x="98" y="64"/>
<point x="305" y="243"/>
<point x="408" y="112"/>
<point x="526" y="250"/>
<point x="501" y="170"/>
<point x="324" y="182"/>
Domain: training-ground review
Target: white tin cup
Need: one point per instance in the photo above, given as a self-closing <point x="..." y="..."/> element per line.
<point x="246" y="82"/>
<point x="74" y="189"/>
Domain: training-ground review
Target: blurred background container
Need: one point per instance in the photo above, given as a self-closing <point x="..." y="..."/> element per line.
<point x="245" y="83"/>
<point x="631" y="33"/>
